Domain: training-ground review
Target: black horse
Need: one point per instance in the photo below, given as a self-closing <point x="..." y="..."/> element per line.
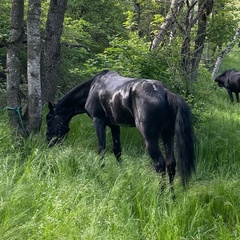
<point x="113" y="100"/>
<point x="230" y="79"/>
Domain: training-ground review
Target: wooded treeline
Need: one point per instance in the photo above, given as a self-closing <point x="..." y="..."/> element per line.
<point x="52" y="45"/>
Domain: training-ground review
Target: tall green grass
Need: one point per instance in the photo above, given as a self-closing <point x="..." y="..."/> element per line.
<point x="63" y="193"/>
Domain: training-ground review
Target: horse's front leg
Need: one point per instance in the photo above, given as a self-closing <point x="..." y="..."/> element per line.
<point x="237" y="96"/>
<point x="230" y="94"/>
<point x="100" y="127"/>
<point x="115" y="130"/>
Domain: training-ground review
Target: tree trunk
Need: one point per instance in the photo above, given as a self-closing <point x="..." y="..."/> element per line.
<point x="52" y="48"/>
<point x="14" y="68"/>
<point x="224" y="53"/>
<point x="205" y="7"/>
<point x="191" y="59"/>
<point x="175" y="8"/>
<point x="186" y="45"/>
<point x="137" y="17"/>
<point x="33" y="66"/>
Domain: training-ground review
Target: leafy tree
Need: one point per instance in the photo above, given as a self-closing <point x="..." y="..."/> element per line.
<point x="224" y="53"/>
<point x="5" y="18"/>
<point x="99" y="21"/>
<point x="168" y="23"/>
<point x="221" y="28"/>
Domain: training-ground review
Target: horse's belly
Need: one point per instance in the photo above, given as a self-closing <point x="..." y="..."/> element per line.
<point x="121" y="117"/>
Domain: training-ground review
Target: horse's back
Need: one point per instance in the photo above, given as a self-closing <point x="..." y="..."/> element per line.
<point x="129" y="101"/>
<point x="109" y="98"/>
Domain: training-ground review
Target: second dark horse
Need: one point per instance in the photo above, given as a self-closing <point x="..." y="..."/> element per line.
<point x="113" y="100"/>
<point x="230" y="79"/>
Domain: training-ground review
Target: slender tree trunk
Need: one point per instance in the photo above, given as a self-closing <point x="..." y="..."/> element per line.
<point x="186" y="45"/>
<point x="14" y="67"/>
<point x="137" y="17"/>
<point x="206" y="6"/>
<point x="191" y="59"/>
<point x="224" y="53"/>
<point x="33" y="66"/>
<point x="52" y="49"/>
<point x="175" y="8"/>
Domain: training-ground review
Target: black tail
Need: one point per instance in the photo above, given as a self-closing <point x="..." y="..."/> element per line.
<point x="184" y="137"/>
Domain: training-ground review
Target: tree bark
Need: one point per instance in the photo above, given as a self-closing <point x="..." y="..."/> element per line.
<point x="205" y="7"/>
<point x="224" y="53"/>
<point x="14" y="68"/>
<point x="175" y="8"/>
<point x="52" y="48"/>
<point x="33" y="66"/>
<point x="190" y="20"/>
<point x="137" y="17"/>
<point x="191" y="59"/>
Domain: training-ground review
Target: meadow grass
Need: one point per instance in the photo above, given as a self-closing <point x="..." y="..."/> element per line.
<point x="63" y="193"/>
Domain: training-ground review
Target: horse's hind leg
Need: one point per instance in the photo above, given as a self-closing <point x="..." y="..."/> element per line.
<point x="168" y="142"/>
<point x="115" y="130"/>
<point x="152" y="146"/>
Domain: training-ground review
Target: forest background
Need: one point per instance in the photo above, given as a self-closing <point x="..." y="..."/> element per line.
<point x="61" y="192"/>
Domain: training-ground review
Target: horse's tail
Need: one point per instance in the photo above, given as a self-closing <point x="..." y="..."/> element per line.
<point x="184" y="137"/>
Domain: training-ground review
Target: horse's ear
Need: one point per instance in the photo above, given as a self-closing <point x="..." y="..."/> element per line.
<point x="50" y="106"/>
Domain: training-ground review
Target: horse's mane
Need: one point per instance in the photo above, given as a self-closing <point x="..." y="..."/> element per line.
<point x="83" y="85"/>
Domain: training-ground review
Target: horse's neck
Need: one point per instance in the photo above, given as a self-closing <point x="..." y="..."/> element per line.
<point x="74" y="102"/>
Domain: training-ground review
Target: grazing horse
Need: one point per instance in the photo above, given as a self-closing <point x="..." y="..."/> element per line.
<point x="113" y="100"/>
<point x="230" y="79"/>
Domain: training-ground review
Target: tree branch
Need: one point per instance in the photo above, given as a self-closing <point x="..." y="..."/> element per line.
<point x="224" y="53"/>
<point x="174" y="10"/>
<point x="75" y="45"/>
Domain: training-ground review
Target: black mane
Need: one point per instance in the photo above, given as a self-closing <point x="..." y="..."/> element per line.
<point x="81" y="89"/>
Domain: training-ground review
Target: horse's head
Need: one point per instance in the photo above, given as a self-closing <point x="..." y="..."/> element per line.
<point x="57" y="126"/>
<point x="220" y="80"/>
<point x="224" y="79"/>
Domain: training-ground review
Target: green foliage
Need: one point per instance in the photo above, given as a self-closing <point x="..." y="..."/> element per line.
<point x="224" y="22"/>
<point x="131" y="57"/>
<point x="202" y="89"/>
<point x="151" y="15"/>
<point x="157" y="20"/>
<point x="102" y="19"/>
<point x="88" y="28"/>
<point x="123" y="56"/>
<point x="5" y="15"/>
<point x="231" y="60"/>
